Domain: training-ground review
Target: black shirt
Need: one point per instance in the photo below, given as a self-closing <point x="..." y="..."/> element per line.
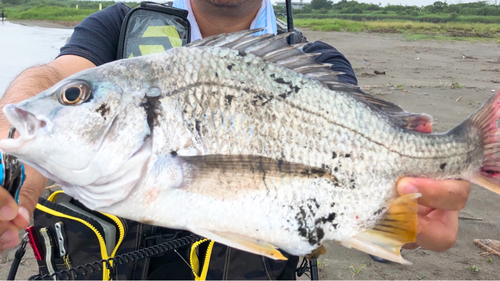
<point x="96" y="39"/>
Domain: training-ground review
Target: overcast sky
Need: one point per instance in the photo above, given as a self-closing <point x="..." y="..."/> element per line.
<point x="399" y="2"/>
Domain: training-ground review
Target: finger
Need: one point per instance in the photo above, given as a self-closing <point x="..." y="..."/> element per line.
<point x="8" y="207"/>
<point x="438" y="230"/>
<point x="9" y="245"/>
<point x="439" y="194"/>
<point x="9" y="234"/>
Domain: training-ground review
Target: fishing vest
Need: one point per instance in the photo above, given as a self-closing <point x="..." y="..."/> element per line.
<point x="97" y="246"/>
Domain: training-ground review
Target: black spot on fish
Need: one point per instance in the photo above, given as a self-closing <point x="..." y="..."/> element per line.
<point x="296" y="89"/>
<point x="280" y="165"/>
<point x="229" y="99"/>
<point x="103" y="109"/>
<point x="324" y="220"/>
<point x="320" y="233"/>
<point x="153" y="110"/>
<point x="242" y="53"/>
<point x="281" y="81"/>
<point x="334" y="155"/>
<point x="230" y="66"/>
<point x="216" y="74"/>
<point x="173" y="153"/>
<point x="315" y="203"/>
<point x="272" y="75"/>
<point x="198" y="126"/>
<point x="353" y="185"/>
<point x="347" y="155"/>
<point x="379" y="211"/>
<point x="336" y="169"/>
<point x="442" y="166"/>
<point x="335" y="225"/>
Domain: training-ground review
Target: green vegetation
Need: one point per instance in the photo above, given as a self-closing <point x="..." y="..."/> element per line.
<point x="474" y="269"/>
<point x="438" y="12"/>
<point x="490" y="260"/>
<point x="64" y="10"/>
<point x="357" y="269"/>
<point x="450" y="29"/>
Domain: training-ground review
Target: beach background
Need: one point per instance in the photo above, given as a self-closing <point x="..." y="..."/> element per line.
<point x="448" y="79"/>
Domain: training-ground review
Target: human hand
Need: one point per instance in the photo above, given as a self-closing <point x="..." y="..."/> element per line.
<point x="438" y="210"/>
<point x="13" y="217"/>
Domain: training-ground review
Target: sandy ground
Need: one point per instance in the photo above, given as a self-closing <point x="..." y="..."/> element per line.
<point x="447" y="79"/>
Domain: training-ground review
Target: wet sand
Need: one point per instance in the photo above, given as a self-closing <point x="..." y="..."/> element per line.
<point x="447" y="79"/>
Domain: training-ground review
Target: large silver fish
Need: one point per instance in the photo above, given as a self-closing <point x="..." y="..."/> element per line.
<point x="246" y="141"/>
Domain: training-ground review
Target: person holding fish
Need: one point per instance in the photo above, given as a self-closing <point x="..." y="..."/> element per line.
<point x="95" y="43"/>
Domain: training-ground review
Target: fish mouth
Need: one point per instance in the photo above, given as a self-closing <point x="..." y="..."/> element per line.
<point x="25" y="123"/>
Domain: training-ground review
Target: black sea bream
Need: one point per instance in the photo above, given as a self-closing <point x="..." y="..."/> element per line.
<point x="247" y="141"/>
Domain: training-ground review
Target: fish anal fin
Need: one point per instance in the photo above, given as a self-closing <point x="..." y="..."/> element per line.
<point x="242" y="242"/>
<point x="397" y="227"/>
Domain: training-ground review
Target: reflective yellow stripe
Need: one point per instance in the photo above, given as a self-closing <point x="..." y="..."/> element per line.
<point x="104" y="255"/>
<point x="151" y="49"/>
<point x="164" y="31"/>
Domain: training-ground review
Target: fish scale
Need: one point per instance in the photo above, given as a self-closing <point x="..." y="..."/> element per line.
<point x="247" y="141"/>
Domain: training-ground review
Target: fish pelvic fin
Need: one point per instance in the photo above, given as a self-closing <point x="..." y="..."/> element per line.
<point x="242" y="242"/>
<point x="397" y="227"/>
<point x="484" y="121"/>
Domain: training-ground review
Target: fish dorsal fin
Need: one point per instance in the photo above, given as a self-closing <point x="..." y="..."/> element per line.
<point x="275" y="49"/>
<point x="242" y="242"/>
<point x="397" y="227"/>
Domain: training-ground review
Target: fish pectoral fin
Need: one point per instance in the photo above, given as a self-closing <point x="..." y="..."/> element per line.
<point x="242" y="242"/>
<point x="397" y="227"/>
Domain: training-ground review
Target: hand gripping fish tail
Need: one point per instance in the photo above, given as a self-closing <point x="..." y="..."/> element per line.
<point x="484" y="124"/>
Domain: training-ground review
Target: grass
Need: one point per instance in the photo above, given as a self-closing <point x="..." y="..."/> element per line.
<point x="357" y="269"/>
<point x="451" y="29"/>
<point x="474" y="269"/>
<point x="49" y="13"/>
<point x="490" y="260"/>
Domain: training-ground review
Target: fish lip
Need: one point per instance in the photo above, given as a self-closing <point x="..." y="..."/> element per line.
<point x="25" y="123"/>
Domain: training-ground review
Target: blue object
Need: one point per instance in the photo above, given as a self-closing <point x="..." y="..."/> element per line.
<point x="1" y="172"/>
<point x="23" y="177"/>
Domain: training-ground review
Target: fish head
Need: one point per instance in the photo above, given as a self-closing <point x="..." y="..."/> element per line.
<point x="89" y="133"/>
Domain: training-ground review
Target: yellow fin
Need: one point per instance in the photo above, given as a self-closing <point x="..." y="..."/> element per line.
<point x="241" y="242"/>
<point x="491" y="183"/>
<point x="397" y="227"/>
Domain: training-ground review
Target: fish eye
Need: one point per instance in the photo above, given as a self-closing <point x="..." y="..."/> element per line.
<point x="74" y="93"/>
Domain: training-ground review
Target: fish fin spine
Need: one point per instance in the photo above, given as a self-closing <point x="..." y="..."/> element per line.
<point x="397" y="227"/>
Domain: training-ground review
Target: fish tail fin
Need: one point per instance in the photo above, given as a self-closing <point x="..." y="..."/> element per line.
<point x="485" y="122"/>
<point x="397" y="227"/>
